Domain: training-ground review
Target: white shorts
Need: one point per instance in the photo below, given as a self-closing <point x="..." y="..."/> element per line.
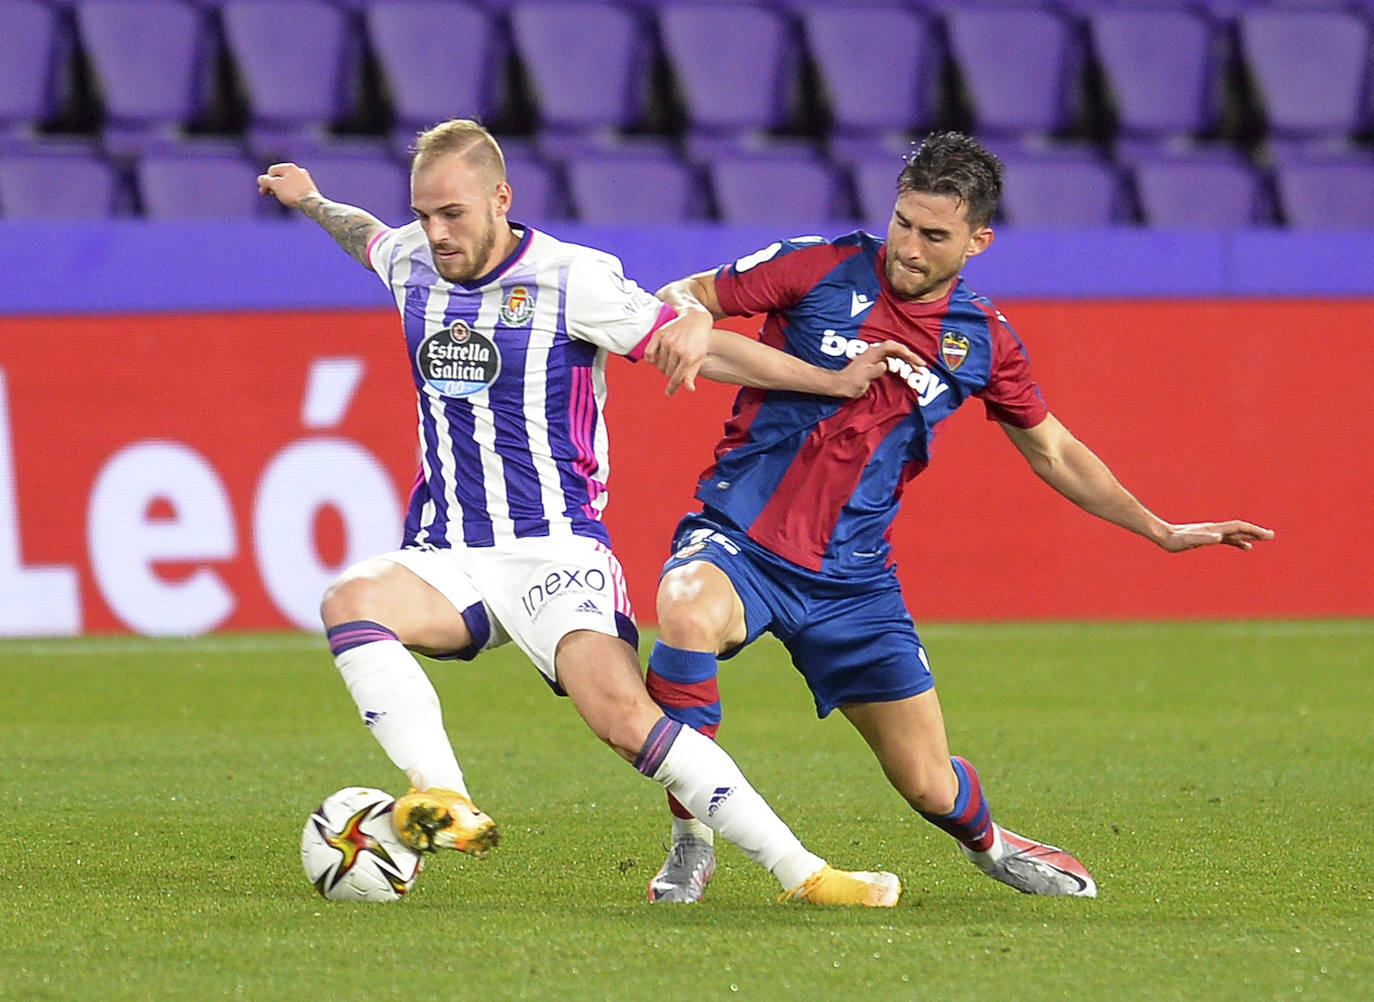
<point x="534" y="592"/>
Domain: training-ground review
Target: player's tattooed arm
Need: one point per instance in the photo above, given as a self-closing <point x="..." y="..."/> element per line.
<point x="353" y="228"/>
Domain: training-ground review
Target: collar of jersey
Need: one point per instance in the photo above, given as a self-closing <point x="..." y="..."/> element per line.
<point x="525" y="234"/>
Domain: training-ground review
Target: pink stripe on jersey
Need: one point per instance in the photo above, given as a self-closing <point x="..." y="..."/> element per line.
<point x="665" y="313"/>
<point x="582" y="417"/>
<point x="373" y="243"/>
<point x="619" y="589"/>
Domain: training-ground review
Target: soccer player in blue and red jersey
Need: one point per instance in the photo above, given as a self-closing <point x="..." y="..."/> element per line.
<point x="793" y="535"/>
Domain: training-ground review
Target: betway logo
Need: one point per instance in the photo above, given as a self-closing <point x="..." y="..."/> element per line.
<point x="925" y="383"/>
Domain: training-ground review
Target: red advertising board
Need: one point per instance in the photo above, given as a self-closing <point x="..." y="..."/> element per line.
<point x="189" y="473"/>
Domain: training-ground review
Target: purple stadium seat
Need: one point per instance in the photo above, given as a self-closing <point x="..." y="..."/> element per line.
<point x="1199" y="192"/>
<point x="1060" y="190"/>
<point x="1019" y="66"/>
<point x="54" y="186"/>
<point x="146" y="100"/>
<point x="1311" y="68"/>
<point x="875" y="189"/>
<point x="538" y="195"/>
<point x="1160" y="65"/>
<point x="1328" y="194"/>
<point x="587" y="63"/>
<point x="33" y="50"/>
<point x="734" y="65"/>
<point x="413" y="55"/>
<point x="632" y="189"/>
<point x="848" y="42"/>
<point x="778" y="190"/>
<point x="294" y="57"/>
<point x="200" y="186"/>
<point x="376" y="183"/>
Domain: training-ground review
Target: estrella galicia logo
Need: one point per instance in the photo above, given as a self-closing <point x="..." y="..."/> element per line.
<point x="457" y="361"/>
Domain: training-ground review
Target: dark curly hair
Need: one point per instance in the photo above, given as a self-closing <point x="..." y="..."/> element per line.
<point x="951" y="163"/>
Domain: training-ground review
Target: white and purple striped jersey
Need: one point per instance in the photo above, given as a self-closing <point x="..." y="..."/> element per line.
<point x="510" y="375"/>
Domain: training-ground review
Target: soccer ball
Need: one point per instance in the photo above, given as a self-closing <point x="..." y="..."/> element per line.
<point x="350" y="849"/>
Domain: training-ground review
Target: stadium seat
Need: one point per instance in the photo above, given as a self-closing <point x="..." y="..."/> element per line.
<point x="1327" y="194"/>
<point x="632" y="189"/>
<point x="875" y="189"/>
<point x="200" y="186"/>
<point x="295" y="60"/>
<point x="373" y="182"/>
<point x="146" y="101"/>
<point x="1221" y="192"/>
<point x="58" y="186"/>
<point x="33" y="53"/>
<point x="538" y="194"/>
<point x="781" y="190"/>
<point x="587" y="63"/>
<point x="1311" y="70"/>
<point x="734" y="65"/>
<point x="1160" y="67"/>
<point x="412" y="55"/>
<point x="866" y="105"/>
<point x="1019" y="66"/>
<point x="1061" y="190"/>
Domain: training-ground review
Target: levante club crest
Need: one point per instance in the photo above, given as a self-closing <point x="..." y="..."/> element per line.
<point x="953" y="349"/>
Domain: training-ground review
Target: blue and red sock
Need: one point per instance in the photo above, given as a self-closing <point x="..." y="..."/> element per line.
<point x="683" y="683"/>
<point x="970" y="821"/>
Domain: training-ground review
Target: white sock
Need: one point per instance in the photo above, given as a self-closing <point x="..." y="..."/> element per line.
<point x="708" y="783"/>
<point x="682" y="827"/>
<point x="399" y="705"/>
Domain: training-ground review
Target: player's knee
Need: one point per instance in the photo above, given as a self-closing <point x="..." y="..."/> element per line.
<point x="350" y="597"/>
<point x="689" y="616"/>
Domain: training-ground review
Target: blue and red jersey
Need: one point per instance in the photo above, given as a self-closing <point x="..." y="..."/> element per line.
<point x="817" y="480"/>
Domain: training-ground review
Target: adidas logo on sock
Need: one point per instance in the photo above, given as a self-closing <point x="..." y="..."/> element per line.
<point x="373" y="717"/>
<point x="721" y="795"/>
<point x="588" y="606"/>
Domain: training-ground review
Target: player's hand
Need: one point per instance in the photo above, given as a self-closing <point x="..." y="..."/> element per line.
<point x="679" y="347"/>
<point x="852" y="381"/>
<point x="288" y="182"/>
<point x="1241" y="535"/>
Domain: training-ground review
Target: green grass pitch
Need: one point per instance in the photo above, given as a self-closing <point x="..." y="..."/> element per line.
<point x="1216" y="778"/>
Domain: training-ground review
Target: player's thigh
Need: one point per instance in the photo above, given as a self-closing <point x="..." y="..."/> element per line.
<point x="408" y="600"/>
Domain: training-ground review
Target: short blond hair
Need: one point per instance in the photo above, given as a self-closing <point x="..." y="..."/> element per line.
<point x="469" y="139"/>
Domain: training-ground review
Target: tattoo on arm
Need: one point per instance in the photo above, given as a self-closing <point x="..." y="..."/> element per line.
<point x="351" y="226"/>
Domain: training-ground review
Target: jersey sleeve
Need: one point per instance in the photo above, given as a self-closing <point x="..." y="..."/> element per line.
<point x="381" y="254"/>
<point x="1011" y="395"/>
<point x="776" y="278"/>
<point x="610" y="310"/>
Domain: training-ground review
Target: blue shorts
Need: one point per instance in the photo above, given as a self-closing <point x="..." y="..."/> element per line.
<point x="852" y="640"/>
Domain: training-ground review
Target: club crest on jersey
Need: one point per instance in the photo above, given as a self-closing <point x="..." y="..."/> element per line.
<point x="953" y="349"/>
<point x="518" y="307"/>
<point x="457" y="361"/>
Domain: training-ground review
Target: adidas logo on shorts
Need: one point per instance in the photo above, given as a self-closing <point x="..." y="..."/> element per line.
<point x="588" y="606"/>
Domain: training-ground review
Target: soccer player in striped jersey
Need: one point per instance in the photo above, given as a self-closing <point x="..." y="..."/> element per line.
<point x="507" y="331"/>
<point x="793" y="535"/>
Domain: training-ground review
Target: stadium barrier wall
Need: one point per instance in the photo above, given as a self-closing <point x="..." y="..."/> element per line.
<point x="199" y="468"/>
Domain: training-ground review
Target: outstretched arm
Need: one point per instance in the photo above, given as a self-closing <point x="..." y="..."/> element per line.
<point x="1071" y="468"/>
<point x="679" y="348"/>
<point x="734" y="358"/>
<point x="352" y="227"/>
